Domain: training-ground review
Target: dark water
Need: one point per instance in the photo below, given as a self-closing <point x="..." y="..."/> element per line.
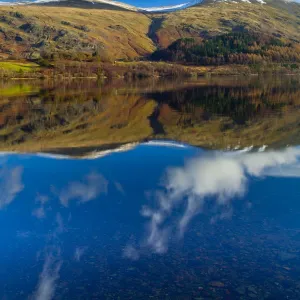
<point x="101" y="218"/>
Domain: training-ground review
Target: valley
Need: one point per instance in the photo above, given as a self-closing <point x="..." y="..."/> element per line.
<point x="54" y="34"/>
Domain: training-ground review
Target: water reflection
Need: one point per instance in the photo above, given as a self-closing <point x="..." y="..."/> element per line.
<point x="217" y="113"/>
<point x="10" y="184"/>
<point x="49" y="276"/>
<point x="84" y="190"/>
<point x="160" y="220"/>
<point x="217" y="177"/>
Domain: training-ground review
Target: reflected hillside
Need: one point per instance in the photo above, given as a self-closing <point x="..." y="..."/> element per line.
<point x="215" y="113"/>
<point x="221" y="115"/>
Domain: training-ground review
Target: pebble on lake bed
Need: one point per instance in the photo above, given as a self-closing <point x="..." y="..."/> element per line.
<point x="217" y="284"/>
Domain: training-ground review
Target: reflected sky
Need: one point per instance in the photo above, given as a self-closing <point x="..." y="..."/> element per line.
<point x="156" y="219"/>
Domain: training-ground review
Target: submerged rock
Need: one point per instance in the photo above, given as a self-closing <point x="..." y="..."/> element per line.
<point x="241" y="290"/>
<point x="217" y="284"/>
<point x="253" y="296"/>
<point x="287" y="256"/>
<point x="252" y="289"/>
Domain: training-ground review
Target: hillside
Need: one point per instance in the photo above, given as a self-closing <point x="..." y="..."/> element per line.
<point x="73" y="32"/>
<point x="243" y="48"/>
<point x="81" y="30"/>
<point x="210" y="19"/>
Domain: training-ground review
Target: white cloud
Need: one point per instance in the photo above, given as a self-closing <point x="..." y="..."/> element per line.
<point x="24" y="234"/>
<point x="79" y="251"/>
<point x="60" y="223"/>
<point x="260" y="164"/>
<point x="288" y="171"/>
<point x="10" y="185"/>
<point x="157" y="233"/>
<point x="119" y="188"/>
<point x="52" y="264"/>
<point x="131" y="252"/>
<point x="43" y="199"/>
<point x="39" y="212"/>
<point x="49" y="276"/>
<point x="217" y="176"/>
<point x="226" y="214"/>
<point x="88" y="189"/>
<point x="221" y="178"/>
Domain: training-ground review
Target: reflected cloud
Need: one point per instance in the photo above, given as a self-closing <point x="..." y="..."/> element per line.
<point x="79" y="251"/>
<point x="119" y="188"/>
<point x="10" y="185"/>
<point x="224" y="215"/>
<point x="40" y="211"/>
<point x="219" y="178"/>
<point x="131" y="252"/>
<point x="52" y="263"/>
<point x="24" y="234"/>
<point x="157" y="233"/>
<point x="91" y="186"/>
<point x="42" y="199"/>
<point x="60" y="223"/>
<point x="49" y="276"/>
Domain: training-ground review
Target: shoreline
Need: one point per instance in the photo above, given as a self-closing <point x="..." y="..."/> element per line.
<point x="105" y="149"/>
<point x="30" y="70"/>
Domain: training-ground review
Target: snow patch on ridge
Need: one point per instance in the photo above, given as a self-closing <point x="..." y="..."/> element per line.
<point x="157" y="9"/>
<point x="152" y="9"/>
<point x="114" y="3"/>
<point x="171" y="7"/>
<point x="165" y="143"/>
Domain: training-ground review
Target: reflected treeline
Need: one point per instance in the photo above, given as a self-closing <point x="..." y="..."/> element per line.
<point x="237" y="103"/>
<point x="216" y="113"/>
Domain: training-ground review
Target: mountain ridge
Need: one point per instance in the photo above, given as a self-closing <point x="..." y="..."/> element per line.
<point x="119" y="4"/>
<point x="110" y="33"/>
<point x="155" y="9"/>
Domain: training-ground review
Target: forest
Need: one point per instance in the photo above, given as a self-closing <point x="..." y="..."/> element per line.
<point x="232" y="48"/>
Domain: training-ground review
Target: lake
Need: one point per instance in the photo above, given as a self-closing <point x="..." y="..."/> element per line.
<point x="150" y="189"/>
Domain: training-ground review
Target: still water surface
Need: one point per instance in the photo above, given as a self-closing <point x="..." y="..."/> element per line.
<point x="214" y="113"/>
<point x="150" y="219"/>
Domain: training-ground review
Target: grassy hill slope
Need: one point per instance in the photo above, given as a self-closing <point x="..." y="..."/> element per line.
<point x="56" y="31"/>
<point x="27" y="31"/>
<point x="218" y="18"/>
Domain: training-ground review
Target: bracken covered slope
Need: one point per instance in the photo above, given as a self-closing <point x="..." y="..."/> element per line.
<point x="26" y="31"/>
<point x="280" y="20"/>
<point x="84" y="31"/>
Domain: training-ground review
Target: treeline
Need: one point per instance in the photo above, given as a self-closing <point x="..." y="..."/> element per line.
<point x="232" y="48"/>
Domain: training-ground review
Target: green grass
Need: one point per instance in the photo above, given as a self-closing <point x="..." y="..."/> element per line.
<point x="12" y="66"/>
<point x="17" y="90"/>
